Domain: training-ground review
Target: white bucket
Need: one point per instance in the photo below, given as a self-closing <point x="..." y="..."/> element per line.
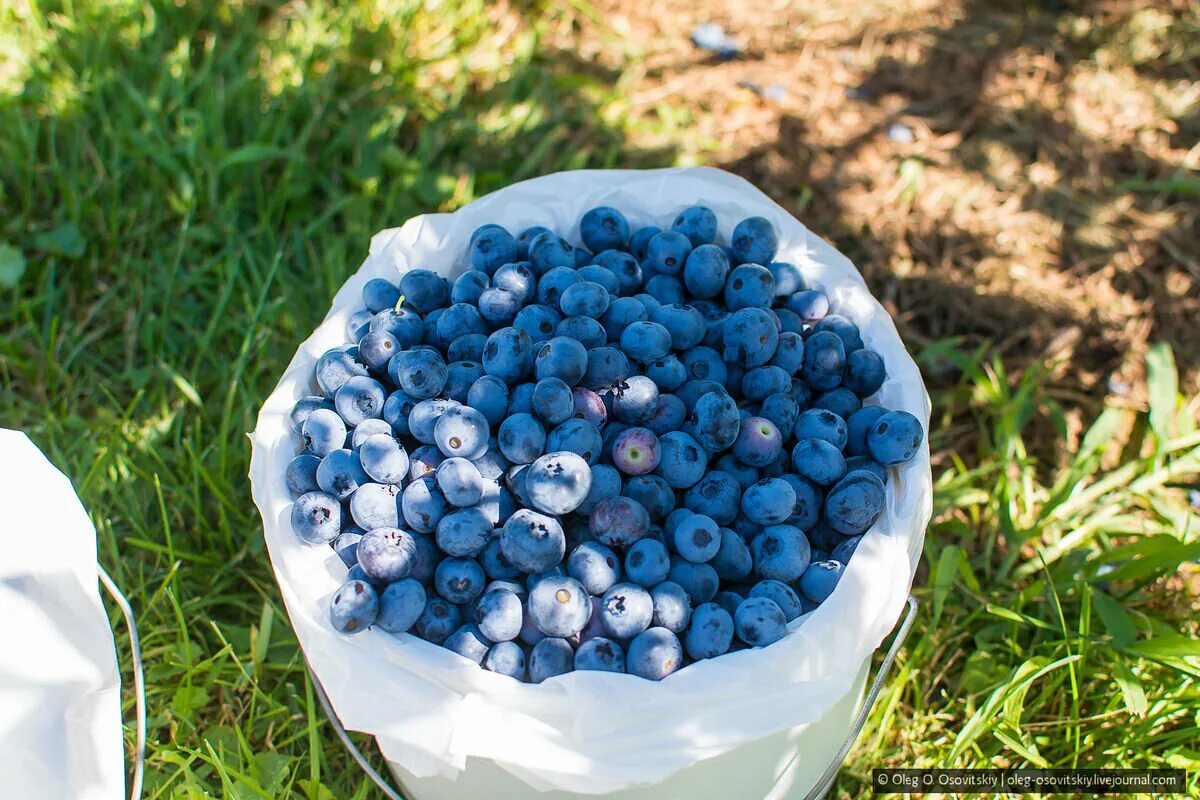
<point x="764" y="722"/>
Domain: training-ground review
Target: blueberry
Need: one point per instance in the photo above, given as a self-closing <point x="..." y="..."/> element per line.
<point x="781" y="594"/>
<point x="424" y="461"/>
<point x="489" y="396"/>
<point x="460" y="482"/>
<point x="462" y="431"/>
<point x="588" y="406"/>
<point x="335" y="368"/>
<point x="626" y="610"/>
<point x="822" y="424"/>
<point x="588" y="331"/>
<point x="750" y="337"/>
<point x="460" y="377"/>
<point x="547" y="251"/>
<point x="754" y="240"/>
<point x="762" y="382"/>
<point x="549" y="657"/>
<point x="758" y="442"/>
<point x="397" y="409"/>
<point x="818" y="461"/>
<point x="782" y="409"/>
<point x="728" y="600"/>
<point x="469" y="642"/>
<point x="781" y="552"/>
<point x="634" y="399"/>
<point x="304" y="407"/>
<point x="697" y="538"/>
<point x="698" y="224"/>
<point x="317" y="517"/>
<point x="559" y="606"/>
<point x="508" y="354"/>
<point x="698" y="580"/>
<point x="807" y="508"/>
<point x="600" y="655"/>
<point x="654" y="654"/>
<point x="624" y="266"/>
<point x="420" y="373"/>
<point x="354" y="607"/>
<point x="716" y="421"/>
<point x="619" y="521"/>
<point x="811" y="305"/>
<point x="846" y="330"/>
<point x="532" y="542"/>
<point x="665" y="289"/>
<point x="340" y="474"/>
<point x="789" y="322"/>
<point x="716" y="495"/>
<point x="603" y="276"/>
<point x="550" y="287"/>
<point x="301" y="474"/>
<point x="424" y="290"/>
<point x="439" y="619"/>
<point x="788" y="278"/>
<point x="820" y="579"/>
<point x="733" y="561"/>
<point x="323" y="431"/>
<point x="685" y="324"/>
<point x="636" y="451"/>
<point x="704" y="363"/>
<point x="705" y="271"/>
<point x="346" y="545"/>
<point x="683" y="461"/>
<point x="769" y="502"/>
<point x="666" y="253"/>
<point x="857" y="425"/>
<point x="744" y="474"/>
<point x="376" y="505"/>
<point x="606" y="483"/>
<point x="526" y="236"/>
<point x="760" y="621"/>
<point x="494" y="564"/>
<point x="710" y="632"/>
<point x="468" y="286"/>
<point x="606" y="366"/>
<point x="577" y="436"/>
<point x="492" y="248"/>
<point x="458" y="320"/>
<point x="464" y="532"/>
<point x="645" y="341"/>
<point x="552" y="401"/>
<point x="401" y="605"/>
<point x="376" y="348"/>
<point x="387" y="554"/>
<point x="379" y="294"/>
<point x="498" y="613"/>
<point x="604" y="228"/>
<point x="647" y="563"/>
<point x="669" y="415"/>
<point x="640" y="241"/>
<point x="667" y="372"/>
<point x="558" y="482"/>
<point x="749" y="286"/>
<point x="621" y="313"/>
<point x="895" y="438"/>
<point x="403" y="323"/>
<point x="840" y="401"/>
<point x="865" y="372"/>
<point x="367" y="428"/>
<point x="652" y="492"/>
<point x="359" y="324"/>
<point x="383" y="459"/>
<point x="459" y="580"/>
<point x="672" y="610"/>
<point x="426" y="559"/>
<point x="522" y="438"/>
<point x="853" y="505"/>
<point x="867" y="464"/>
<point x="498" y="306"/>
<point x="562" y="358"/>
<point x="845" y="549"/>
<point x="506" y="658"/>
<point x="423" y="505"/>
<point x="648" y="301"/>
<point x="595" y="566"/>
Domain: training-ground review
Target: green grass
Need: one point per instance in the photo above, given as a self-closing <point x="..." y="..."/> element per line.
<point x="183" y="189"/>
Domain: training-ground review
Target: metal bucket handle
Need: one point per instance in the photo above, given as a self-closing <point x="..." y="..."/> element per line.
<point x="817" y="791"/>
<point x="139" y="683"/>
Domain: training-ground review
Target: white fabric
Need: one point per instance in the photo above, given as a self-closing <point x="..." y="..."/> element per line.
<point x="60" y="690"/>
<point x="591" y="732"/>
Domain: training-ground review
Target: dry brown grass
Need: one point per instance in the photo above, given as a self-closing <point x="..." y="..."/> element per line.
<point x="1020" y="212"/>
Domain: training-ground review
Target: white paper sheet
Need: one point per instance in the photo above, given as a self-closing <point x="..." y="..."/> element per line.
<point x="592" y="732"/>
<point x="60" y="690"/>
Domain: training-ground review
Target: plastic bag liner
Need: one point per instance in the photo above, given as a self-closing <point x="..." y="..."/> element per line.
<point x="60" y="690"/>
<point x="592" y="732"/>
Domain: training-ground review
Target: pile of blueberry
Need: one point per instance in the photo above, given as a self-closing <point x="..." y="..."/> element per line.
<point x="626" y="456"/>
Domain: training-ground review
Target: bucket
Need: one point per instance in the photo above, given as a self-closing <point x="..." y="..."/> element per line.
<point x="768" y="722"/>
